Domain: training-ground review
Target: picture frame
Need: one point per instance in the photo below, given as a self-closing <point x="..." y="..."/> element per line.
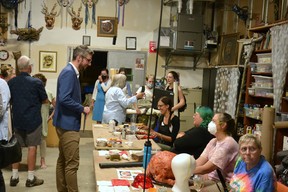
<point x="131" y="43"/>
<point x="48" y="61"/>
<point x="86" y="40"/>
<point x="107" y="26"/>
<point x="229" y="49"/>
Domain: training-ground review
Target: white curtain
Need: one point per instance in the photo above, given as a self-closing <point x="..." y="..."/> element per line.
<point x="279" y="61"/>
<point x="227" y="82"/>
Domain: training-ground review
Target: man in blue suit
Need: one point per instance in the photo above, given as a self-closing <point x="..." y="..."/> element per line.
<point x="67" y="119"/>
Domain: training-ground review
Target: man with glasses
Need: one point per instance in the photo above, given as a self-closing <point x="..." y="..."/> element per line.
<point x="252" y="172"/>
<point x="67" y="119"/>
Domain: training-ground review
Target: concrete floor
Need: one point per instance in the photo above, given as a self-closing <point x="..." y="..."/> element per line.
<point x="86" y="176"/>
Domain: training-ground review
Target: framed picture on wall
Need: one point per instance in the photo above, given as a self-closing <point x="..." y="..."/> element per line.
<point x="107" y="26"/>
<point x="229" y="49"/>
<point x="48" y="61"/>
<point x="131" y="43"/>
<point x="86" y="40"/>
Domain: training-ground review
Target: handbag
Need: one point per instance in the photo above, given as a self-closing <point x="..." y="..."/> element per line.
<point x="10" y="152"/>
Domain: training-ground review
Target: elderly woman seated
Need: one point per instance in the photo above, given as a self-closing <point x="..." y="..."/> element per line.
<point x="252" y="172"/>
<point x="220" y="153"/>
<point x="194" y="140"/>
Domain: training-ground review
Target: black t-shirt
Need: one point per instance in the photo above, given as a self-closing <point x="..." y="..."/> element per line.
<point x="193" y="142"/>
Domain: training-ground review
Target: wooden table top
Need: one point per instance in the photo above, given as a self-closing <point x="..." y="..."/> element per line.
<point x="101" y="131"/>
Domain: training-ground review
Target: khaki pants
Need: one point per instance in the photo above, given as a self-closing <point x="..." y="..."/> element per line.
<point x="68" y="161"/>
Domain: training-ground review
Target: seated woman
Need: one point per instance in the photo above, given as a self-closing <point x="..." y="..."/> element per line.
<point x="116" y="102"/>
<point x="220" y="153"/>
<point x="252" y="172"/>
<point x="167" y="126"/>
<point x="194" y="140"/>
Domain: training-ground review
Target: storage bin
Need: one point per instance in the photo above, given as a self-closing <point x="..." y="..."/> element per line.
<point x="263" y="81"/>
<point x="253" y="67"/>
<point x="251" y="91"/>
<point x="263" y="67"/>
<point x="264" y="58"/>
<point x="264" y="92"/>
<point x="284" y="116"/>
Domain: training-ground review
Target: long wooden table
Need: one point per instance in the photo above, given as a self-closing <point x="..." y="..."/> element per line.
<point x="101" y="131"/>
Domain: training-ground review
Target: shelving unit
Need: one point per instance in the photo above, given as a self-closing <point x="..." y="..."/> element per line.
<point x="264" y="100"/>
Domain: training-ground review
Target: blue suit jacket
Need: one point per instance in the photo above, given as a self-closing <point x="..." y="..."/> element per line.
<point x="68" y="101"/>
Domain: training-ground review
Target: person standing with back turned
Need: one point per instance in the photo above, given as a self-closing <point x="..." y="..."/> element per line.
<point x="67" y="119"/>
<point x="27" y="96"/>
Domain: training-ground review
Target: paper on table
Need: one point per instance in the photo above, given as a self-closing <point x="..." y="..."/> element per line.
<point x="105" y="189"/>
<point x="104" y="183"/>
<point x="127" y="174"/>
<point x="103" y="153"/>
<point x="122" y="188"/>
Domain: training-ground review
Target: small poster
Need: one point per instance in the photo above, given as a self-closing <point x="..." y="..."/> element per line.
<point x="139" y="65"/>
<point x="127" y="174"/>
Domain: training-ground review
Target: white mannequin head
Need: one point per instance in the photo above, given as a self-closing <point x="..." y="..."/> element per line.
<point x="183" y="166"/>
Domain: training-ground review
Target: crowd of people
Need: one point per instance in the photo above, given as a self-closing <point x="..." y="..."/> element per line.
<point x="210" y="141"/>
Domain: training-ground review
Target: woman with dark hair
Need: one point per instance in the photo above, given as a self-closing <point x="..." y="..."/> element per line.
<point x="172" y="77"/>
<point x="194" y="140"/>
<point x="220" y="153"/>
<point x="167" y="126"/>
<point x="101" y="86"/>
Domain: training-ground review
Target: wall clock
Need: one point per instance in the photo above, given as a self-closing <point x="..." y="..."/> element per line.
<point x="4" y="55"/>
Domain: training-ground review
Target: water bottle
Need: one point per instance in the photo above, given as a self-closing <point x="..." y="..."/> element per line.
<point x="111" y="126"/>
<point x="123" y="132"/>
<point x="147" y="154"/>
<point x="133" y="124"/>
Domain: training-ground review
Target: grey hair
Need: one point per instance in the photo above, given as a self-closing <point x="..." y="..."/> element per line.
<point x="23" y="62"/>
<point x="250" y="138"/>
<point x="118" y="80"/>
<point x="81" y="50"/>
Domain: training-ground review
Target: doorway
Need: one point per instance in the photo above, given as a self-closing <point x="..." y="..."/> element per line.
<point x="89" y="76"/>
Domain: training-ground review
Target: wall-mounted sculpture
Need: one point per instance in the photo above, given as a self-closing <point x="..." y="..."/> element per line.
<point x="27" y="34"/>
<point x="49" y="16"/>
<point x="75" y="17"/>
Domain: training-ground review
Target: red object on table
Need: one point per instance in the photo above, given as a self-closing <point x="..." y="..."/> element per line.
<point x="120" y="182"/>
<point x="139" y="181"/>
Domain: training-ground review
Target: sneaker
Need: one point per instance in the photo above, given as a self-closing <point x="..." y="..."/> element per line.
<point x="34" y="182"/>
<point x="14" y="182"/>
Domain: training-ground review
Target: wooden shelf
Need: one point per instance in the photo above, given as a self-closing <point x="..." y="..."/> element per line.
<point x="264" y="28"/>
<point x="254" y="118"/>
<point x="261" y="97"/>
<point x="261" y="73"/>
<point x="263" y="51"/>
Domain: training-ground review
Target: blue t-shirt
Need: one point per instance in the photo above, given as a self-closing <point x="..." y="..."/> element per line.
<point x="258" y="179"/>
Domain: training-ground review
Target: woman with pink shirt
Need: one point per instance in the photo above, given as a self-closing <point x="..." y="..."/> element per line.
<point x="220" y="153"/>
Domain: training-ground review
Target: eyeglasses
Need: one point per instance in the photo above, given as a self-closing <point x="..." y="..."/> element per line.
<point x="251" y="149"/>
<point x="88" y="60"/>
<point x="159" y="106"/>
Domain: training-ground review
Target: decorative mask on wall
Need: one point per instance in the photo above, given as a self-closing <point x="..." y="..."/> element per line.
<point x="76" y="19"/>
<point x="49" y="17"/>
<point x="27" y="34"/>
<point x="121" y="3"/>
<point x="65" y="3"/>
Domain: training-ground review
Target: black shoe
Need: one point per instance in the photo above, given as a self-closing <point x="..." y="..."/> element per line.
<point x="34" y="182"/>
<point x="14" y="182"/>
